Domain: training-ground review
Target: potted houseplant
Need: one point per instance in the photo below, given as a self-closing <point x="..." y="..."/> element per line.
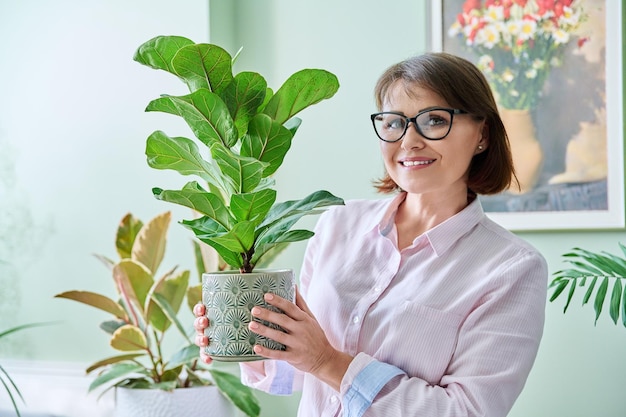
<point x="144" y="309"/>
<point x="601" y="274"/>
<point x="243" y="130"/>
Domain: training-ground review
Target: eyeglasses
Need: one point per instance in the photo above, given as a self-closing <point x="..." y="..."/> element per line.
<point x="433" y="124"/>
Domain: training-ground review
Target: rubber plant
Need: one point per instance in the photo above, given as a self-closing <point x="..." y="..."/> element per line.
<point x="144" y="310"/>
<point x="599" y="275"/>
<point x="243" y="130"/>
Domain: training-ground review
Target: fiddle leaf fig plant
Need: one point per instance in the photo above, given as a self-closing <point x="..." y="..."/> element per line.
<point x="599" y="273"/>
<point x="145" y="307"/>
<point x="243" y="130"/>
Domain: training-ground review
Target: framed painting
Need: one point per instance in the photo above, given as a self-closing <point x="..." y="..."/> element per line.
<point x="555" y="69"/>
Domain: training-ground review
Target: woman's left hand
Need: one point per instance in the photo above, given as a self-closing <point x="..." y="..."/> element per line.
<point x="307" y="347"/>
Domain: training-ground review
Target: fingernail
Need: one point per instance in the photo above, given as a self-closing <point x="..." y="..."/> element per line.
<point x="253" y="325"/>
<point x="201" y="322"/>
<point x="256" y="311"/>
<point x="269" y="296"/>
<point x="198" y="309"/>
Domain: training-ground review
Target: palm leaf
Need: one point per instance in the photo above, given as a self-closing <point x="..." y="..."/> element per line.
<point x="8" y="389"/>
<point x="587" y="270"/>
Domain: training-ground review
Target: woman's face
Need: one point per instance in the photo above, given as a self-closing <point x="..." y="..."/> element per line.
<point x="418" y="165"/>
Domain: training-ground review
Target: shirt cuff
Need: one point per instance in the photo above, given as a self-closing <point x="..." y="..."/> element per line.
<point x="368" y="376"/>
<point x="273" y="377"/>
<point x="283" y="381"/>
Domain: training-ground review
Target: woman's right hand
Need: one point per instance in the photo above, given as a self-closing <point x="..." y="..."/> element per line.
<point x="200" y="324"/>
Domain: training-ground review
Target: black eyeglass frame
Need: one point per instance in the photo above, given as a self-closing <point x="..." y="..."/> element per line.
<point x="413" y="119"/>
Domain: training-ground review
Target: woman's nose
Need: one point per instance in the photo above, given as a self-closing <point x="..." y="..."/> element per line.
<point x="412" y="138"/>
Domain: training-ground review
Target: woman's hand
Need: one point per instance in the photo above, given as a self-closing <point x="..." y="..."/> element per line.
<point x="307" y="347"/>
<point x="200" y="324"/>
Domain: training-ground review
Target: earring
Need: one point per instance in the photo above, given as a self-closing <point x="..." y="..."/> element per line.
<point x="480" y="147"/>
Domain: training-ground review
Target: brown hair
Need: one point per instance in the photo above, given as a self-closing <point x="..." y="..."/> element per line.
<point x="463" y="86"/>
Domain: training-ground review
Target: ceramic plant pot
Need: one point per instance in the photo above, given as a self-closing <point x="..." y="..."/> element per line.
<point x="229" y="297"/>
<point x="188" y="402"/>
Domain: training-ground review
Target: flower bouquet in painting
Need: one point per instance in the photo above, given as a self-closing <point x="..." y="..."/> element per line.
<point x="518" y="43"/>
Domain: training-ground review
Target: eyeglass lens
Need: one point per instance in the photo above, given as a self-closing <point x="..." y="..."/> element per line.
<point x="432" y="124"/>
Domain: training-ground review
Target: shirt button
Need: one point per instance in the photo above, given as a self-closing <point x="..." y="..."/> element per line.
<point x="355" y="320"/>
<point x="377" y="289"/>
<point x="334" y="399"/>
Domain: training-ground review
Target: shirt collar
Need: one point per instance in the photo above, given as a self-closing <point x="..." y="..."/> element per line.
<point x="385" y="224"/>
<point x="442" y="236"/>
<point x="446" y="234"/>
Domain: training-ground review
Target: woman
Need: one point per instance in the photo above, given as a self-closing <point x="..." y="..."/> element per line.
<point x="418" y="304"/>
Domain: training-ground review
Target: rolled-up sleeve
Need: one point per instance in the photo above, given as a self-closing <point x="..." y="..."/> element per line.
<point x="273" y="377"/>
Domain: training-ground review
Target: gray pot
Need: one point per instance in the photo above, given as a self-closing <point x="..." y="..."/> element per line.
<point x="229" y="297"/>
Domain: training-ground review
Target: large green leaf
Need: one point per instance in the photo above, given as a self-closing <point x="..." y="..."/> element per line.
<point x="239" y="394"/>
<point x="149" y="246"/>
<point x="113" y="359"/>
<point x="301" y="90"/>
<point x="239" y="239"/>
<point x="205" y="113"/>
<point x="205" y="203"/>
<point x="129" y="338"/>
<point x="232" y="259"/>
<point x="280" y="240"/>
<point x="284" y="215"/>
<point x="179" y="154"/>
<point x="126" y="233"/>
<point x="205" y="226"/>
<point x="267" y="141"/>
<point x="203" y="66"/>
<point x="158" y="52"/>
<point x="243" y="96"/>
<point x="96" y="300"/>
<point x="252" y="206"/>
<point x="173" y="290"/>
<point x="206" y="230"/>
<point x="133" y="281"/>
<point x="169" y="311"/>
<point x="243" y="174"/>
<point x="114" y="372"/>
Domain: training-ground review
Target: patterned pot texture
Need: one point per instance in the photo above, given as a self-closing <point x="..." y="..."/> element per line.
<point x="188" y="402"/>
<point x="229" y="297"/>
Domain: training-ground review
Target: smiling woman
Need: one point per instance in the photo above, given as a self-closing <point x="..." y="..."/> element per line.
<point x="406" y="296"/>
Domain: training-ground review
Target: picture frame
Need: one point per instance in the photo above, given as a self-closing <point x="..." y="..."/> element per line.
<point x="578" y="122"/>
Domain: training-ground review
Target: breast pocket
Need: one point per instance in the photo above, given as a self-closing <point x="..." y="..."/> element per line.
<point x="421" y="340"/>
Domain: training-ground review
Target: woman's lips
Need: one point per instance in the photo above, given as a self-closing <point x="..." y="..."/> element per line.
<point x="417" y="162"/>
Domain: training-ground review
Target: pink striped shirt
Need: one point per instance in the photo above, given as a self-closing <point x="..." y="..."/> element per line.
<point x="449" y="326"/>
